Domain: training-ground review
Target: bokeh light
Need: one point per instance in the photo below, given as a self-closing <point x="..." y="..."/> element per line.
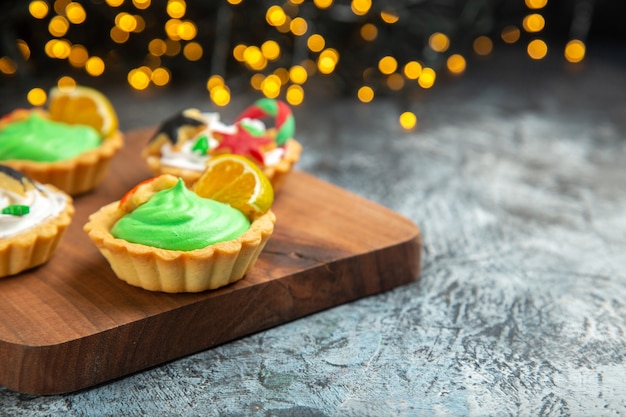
<point x="482" y="45"/>
<point x="427" y="78"/>
<point x="94" y="66"/>
<point x="389" y="16"/>
<point x="58" y="26"/>
<point x="574" y="51"/>
<point x="533" y="23"/>
<point x="294" y="95"/>
<point x="75" y="13"/>
<point x="412" y="70"/>
<point x="537" y="49"/>
<point x="456" y="64"/>
<point x="361" y="7"/>
<point x="365" y="94"/>
<point x="510" y="34"/>
<point x="387" y="65"/>
<point x="37" y="97"/>
<point x="369" y="32"/>
<point x="439" y="42"/>
<point x="408" y="120"/>
<point x="38" y="9"/>
<point x="298" y="74"/>
<point x="315" y="43"/>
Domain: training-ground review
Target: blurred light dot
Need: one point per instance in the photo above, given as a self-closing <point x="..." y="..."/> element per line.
<point x="214" y="81"/>
<point x="361" y="7"/>
<point x="389" y="16"/>
<point x="141" y="24"/>
<point x="75" y="13"/>
<point x="533" y="23"/>
<point x="176" y="8"/>
<point x="327" y="61"/>
<point x="296" y="2"/>
<point x="193" y="51"/>
<point x="171" y="29"/>
<point x="234" y="2"/>
<point x="575" y="51"/>
<point x="157" y="47"/>
<point x="315" y="43"/>
<point x="118" y="35"/>
<point x="439" y="42"/>
<point x="172" y="47"/>
<point x="294" y="95"/>
<point x="220" y="95"/>
<point x="60" y="5"/>
<point x="387" y="65"/>
<point x="271" y="85"/>
<point x="78" y="55"/>
<point x="510" y="34"/>
<point x="369" y="32"/>
<point x="270" y="50"/>
<point x="483" y="45"/>
<point x="282" y="74"/>
<point x="141" y="4"/>
<point x="365" y="94"/>
<point x="187" y="30"/>
<point x="323" y="4"/>
<point x="61" y="49"/>
<point x="253" y="57"/>
<point x="395" y="82"/>
<point x="114" y="3"/>
<point x="275" y="16"/>
<point x="66" y="83"/>
<point x="427" y="78"/>
<point x="310" y="66"/>
<point x="58" y="26"/>
<point x="160" y="76"/>
<point x="456" y="64"/>
<point x="138" y="79"/>
<point x="37" y="97"/>
<point x="94" y="66"/>
<point x="256" y="80"/>
<point x="537" y="49"/>
<point x="238" y="52"/>
<point x="412" y="70"/>
<point x="298" y="74"/>
<point x="536" y="4"/>
<point x="38" y="9"/>
<point x="298" y="26"/>
<point x="24" y="49"/>
<point x="408" y="120"/>
<point x="7" y="65"/>
<point x="126" y="21"/>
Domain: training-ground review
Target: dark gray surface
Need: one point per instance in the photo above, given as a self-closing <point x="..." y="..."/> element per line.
<point x="516" y="177"/>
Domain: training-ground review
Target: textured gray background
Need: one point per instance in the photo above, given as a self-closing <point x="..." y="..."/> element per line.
<point x="516" y="177"/>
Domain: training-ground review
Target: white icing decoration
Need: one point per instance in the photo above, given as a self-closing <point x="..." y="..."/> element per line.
<point x="43" y="206"/>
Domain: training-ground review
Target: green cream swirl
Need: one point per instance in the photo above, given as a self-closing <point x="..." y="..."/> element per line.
<point x="179" y="219"/>
<point x="42" y="140"/>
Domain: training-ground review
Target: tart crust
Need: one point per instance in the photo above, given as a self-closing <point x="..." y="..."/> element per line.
<point x="171" y="271"/>
<point x="276" y="173"/>
<point x="35" y="246"/>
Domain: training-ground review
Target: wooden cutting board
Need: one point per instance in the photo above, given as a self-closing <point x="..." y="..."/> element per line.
<point x="71" y="323"/>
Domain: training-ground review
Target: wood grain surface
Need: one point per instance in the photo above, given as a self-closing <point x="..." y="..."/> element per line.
<point x="71" y="323"/>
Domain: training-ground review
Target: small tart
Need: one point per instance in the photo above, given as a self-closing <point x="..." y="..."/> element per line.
<point x="174" y="271"/>
<point x="275" y="173"/>
<point x="35" y="246"/>
<point x="75" y="175"/>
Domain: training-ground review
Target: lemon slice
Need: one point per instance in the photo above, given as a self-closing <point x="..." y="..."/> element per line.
<point x="85" y="106"/>
<point x="237" y="181"/>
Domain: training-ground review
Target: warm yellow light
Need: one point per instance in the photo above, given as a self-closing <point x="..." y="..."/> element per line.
<point x="7" y="65"/>
<point x="270" y="50"/>
<point x="118" y="35"/>
<point x="456" y="64"/>
<point x="234" y="2"/>
<point x="537" y="49"/>
<point x="275" y="16"/>
<point x="59" y="6"/>
<point x="58" y="26"/>
<point x="296" y="2"/>
<point x="171" y="28"/>
<point x="282" y="74"/>
<point x="369" y="32"/>
<point x="61" y="49"/>
<point x="365" y="94"/>
<point x="323" y="4"/>
<point x="176" y="8"/>
<point x="126" y="21"/>
<point x="389" y="16"/>
<point x="114" y="3"/>
<point x="94" y="66"/>
<point x="66" y="83"/>
<point x="220" y="95"/>
<point x="141" y="24"/>
<point x="298" y="26"/>
<point x="510" y="34"/>
<point x="38" y="9"/>
<point x="193" y="51"/>
<point x="395" y="82"/>
<point x="315" y="43"/>
<point x="187" y="30"/>
<point x="408" y="120"/>
<point x="270" y="86"/>
<point x="295" y="95"/>
<point x="439" y="42"/>
<point x="214" y="81"/>
<point x="78" y="56"/>
<point x="427" y="78"/>
<point x="327" y="61"/>
<point x="298" y="74"/>
<point x="37" y="97"/>
<point x="75" y="13"/>
<point x="536" y="4"/>
<point x="160" y="76"/>
<point x="387" y="65"/>
<point x="533" y="23"/>
<point x="172" y="47"/>
<point x="483" y="45"/>
<point x="157" y="47"/>
<point x="23" y="48"/>
<point x="361" y="7"/>
<point x="139" y="79"/>
<point x="141" y="4"/>
<point x="256" y="80"/>
<point x="253" y="57"/>
<point x="575" y="51"/>
<point x="238" y="52"/>
<point x="412" y="70"/>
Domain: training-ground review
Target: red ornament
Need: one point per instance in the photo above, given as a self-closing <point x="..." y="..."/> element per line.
<point x="243" y="143"/>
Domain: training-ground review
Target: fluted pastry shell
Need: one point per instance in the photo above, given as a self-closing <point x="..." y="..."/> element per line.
<point x="276" y="173"/>
<point x="171" y="271"/>
<point x="35" y="246"/>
